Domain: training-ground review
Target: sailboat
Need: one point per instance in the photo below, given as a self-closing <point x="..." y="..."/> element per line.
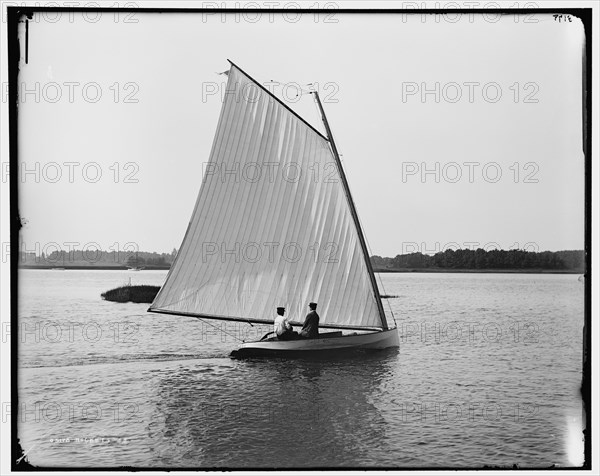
<point x="275" y="225"/>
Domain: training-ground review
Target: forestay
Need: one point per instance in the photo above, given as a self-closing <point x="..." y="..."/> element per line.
<point x="271" y="226"/>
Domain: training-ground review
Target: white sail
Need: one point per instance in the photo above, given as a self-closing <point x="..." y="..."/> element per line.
<point x="272" y="225"/>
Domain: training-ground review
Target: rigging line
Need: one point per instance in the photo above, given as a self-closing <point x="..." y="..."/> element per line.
<point x="187" y="298"/>
<point x="299" y="87"/>
<point x="296" y="86"/>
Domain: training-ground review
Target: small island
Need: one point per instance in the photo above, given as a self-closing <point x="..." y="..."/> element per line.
<point x="138" y="294"/>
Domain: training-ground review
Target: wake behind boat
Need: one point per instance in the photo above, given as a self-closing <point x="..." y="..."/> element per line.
<point x="257" y="240"/>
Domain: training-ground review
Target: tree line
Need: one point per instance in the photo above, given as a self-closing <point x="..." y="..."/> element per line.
<point x="567" y="260"/>
<point x="97" y="257"/>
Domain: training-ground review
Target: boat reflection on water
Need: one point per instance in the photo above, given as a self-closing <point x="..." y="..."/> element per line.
<point x="271" y="414"/>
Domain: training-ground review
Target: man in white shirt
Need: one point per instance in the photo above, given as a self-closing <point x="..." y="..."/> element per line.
<point x="282" y="328"/>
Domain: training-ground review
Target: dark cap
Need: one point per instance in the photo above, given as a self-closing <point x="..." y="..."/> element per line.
<point x="281" y="308"/>
<point x="312" y="304"/>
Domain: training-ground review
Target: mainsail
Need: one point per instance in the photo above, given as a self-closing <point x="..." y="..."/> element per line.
<point x="272" y="225"/>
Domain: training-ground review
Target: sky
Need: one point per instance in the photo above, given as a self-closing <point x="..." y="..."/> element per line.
<point x="453" y="131"/>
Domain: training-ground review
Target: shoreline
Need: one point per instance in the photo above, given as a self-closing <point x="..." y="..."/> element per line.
<point x="384" y="270"/>
<point x="474" y="270"/>
<point x="92" y="267"/>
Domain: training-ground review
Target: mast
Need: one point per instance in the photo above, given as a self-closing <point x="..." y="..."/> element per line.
<point x="354" y="214"/>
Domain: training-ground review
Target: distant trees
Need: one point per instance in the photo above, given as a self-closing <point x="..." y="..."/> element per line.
<point x="571" y="260"/>
<point x="159" y="261"/>
<point x="96" y="257"/>
<point x="135" y="261"/>
<point x="567" y="260"/>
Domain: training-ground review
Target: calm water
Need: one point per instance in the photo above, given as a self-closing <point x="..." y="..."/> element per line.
<point x="487" y="373"/>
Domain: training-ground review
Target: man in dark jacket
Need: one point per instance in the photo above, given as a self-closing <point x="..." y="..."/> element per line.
<point x="310" y="329"/>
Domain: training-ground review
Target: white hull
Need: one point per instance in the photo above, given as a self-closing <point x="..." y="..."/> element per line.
<point x="306" y="347"/>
